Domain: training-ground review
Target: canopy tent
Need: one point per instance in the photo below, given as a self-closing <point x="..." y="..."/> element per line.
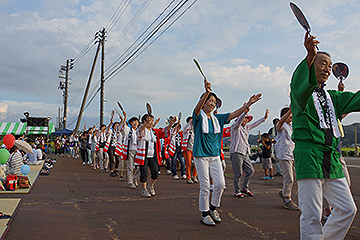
<point x="12" y="128"/>
<point x="22" y="128"/>
<point x="62" y="132"/>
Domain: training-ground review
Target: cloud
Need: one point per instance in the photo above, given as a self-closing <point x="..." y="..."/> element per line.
<point x="3" y="110"/>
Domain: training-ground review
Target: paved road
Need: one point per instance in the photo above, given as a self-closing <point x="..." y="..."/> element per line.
<point x="76" y="202"/>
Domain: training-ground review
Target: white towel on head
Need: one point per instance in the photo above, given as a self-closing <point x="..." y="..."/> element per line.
<point x="205" y="123"/>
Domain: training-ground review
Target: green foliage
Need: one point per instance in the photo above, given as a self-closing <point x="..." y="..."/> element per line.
<point x="351" y="153"/>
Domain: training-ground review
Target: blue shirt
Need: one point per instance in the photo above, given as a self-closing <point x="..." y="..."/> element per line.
<point x="209" y="144"/>
<point x="33" y="157"/>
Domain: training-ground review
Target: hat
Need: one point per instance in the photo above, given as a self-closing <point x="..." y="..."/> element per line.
<point x="249" y="117"/>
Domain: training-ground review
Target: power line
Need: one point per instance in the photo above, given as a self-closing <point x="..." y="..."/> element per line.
<point x="129" y="25"/>
<point x="123" y="62"/>
<point x="132" y="59"/>
<point x="119" y="59"/>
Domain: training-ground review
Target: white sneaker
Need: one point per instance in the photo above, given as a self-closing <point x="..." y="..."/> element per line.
<point x="168" y="172"/>
<point x="207" y="220"/>
<point x="176" y="177"/>
<point x="183" y="176"/>
<point x="151" y="190"/>
<point x="135" y="182"/>
<point x="145" y="193"/>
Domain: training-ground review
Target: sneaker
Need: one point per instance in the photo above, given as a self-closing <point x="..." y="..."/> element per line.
<point x="83" y="163"/>
<point x="189" y="181"/>
<point x="215" y="216"/>
<point x="136" y="182"/>
<point x="106" y="170"/>
<point x="132" y="186"/>
<point x="195" y="180"/>
<point x="176" y="177"/>
<point x="239" y="195"/>
<point x="247" y="192"/>
<point x="94" y="167"/>
<point x="270" y="178"/>
<point x="112" y="174"/>
<point x="280" y="195"/>
<point x="277" y="174"/>
<point x="151" y="190"/>
<point x="159" y="173"/>
<point x="264" y="178"/>
<point x="101" y="170"/>
<point x="168" y="172"/>
<point x="121" y="178"/>
<point x="207" y="220"/>
<point x="291" y="206"/>
<point x="88" y="163"/>
<point x="183" y="176"/>
<point x="145" y="193"/>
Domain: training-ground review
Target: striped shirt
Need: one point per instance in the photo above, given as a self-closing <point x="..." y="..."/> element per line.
<point x="240" y="135"/>
<point x="15" y="163"/>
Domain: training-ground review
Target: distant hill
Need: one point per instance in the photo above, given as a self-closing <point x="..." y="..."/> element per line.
<point x="349" y="131"/>
<point x="349" y="138"/>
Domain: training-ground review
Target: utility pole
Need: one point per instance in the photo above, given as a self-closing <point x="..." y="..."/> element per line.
<point x="87" y="89"/>
<point x="65" y="85"/>
<point x="356" y="147"/>
<point x="102" y="82"/>
<point x="59" y="119"/>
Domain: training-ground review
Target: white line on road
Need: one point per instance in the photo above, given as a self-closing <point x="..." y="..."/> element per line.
<point x="353" y="166"/>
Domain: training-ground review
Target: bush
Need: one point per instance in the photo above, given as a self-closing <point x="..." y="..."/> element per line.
<point x="351" y="153"/>
<point x="344" y="153"/>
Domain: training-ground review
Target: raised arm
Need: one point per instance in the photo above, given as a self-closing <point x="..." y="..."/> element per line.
<point x="253" y="99"/>
<point x="310" y="43"/>
<point x="201" y="102"/>
<point x="283" y="120"/>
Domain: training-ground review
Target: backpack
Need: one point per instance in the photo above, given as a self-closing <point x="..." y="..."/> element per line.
<point x="11" y="182"/>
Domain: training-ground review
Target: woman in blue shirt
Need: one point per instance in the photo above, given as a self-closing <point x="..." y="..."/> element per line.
<point x="207" y="146"/>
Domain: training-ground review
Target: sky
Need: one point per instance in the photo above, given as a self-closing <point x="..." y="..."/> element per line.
<point x="244" y="47"/>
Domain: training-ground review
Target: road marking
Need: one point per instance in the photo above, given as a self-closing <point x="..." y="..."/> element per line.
<point x="353" y="166"/>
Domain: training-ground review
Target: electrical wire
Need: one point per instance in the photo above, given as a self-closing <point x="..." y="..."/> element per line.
<point x="129" y="25"/>
<point x="132" y="52"/>
<point x="132" y="59"/>
<point x="120" y="58"/>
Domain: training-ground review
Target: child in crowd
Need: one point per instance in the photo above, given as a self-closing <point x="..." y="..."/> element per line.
<point x="266" y="157"/>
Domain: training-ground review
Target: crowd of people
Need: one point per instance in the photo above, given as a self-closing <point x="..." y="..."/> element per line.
<point x="303" y="142"/>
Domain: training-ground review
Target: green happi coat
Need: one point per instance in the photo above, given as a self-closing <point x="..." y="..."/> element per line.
<point x="314" y="159"/>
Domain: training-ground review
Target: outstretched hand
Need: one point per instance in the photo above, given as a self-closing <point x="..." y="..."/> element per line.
<point x="207" y="85"/>
<point x="310" y="44"/>
<point x="156" y="121"/>
<point x="341" y="86"/>
<point x="266" y="114"/>
<point x="254" y="98"/>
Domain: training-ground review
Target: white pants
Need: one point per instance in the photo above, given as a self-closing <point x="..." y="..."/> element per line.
<point x="206" y="167"/>
<point x="337" y="193"/>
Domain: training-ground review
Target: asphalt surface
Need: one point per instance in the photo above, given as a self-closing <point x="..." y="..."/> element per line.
<point x="77" y="202"/>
